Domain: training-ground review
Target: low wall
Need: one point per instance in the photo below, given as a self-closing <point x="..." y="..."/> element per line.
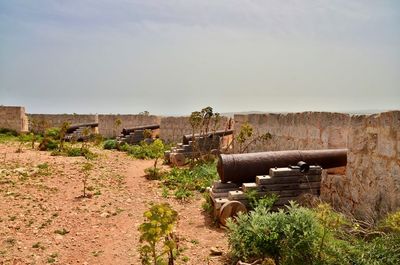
<point x="39" y="122"/>
<point x="172" y="129"/>
<point x="13" y="118"/>
<point x="108" y="128"/>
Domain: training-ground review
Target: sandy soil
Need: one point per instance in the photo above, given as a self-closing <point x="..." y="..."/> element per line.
<point x="43" y="220"/>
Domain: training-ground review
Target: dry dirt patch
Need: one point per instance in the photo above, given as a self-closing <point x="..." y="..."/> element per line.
<point x="43" y="220"/>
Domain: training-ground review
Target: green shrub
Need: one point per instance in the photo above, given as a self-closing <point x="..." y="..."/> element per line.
<point x="48" y="144"/>
<point x="186" y="180"/>
<point x="8" y="132"/>
<point x="391" y="222"/>
<point x="75" y="151"/>
<point x="289" y="237"/>
<point x="154" y="173"/>
<point x="255" y="200"/>
<point x="307" y="236"/>
<point x="110" y="144"/>
<point x="147" y="151"/>
<point x="53" y="133"/>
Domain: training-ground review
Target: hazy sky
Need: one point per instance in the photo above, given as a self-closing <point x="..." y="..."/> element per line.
<point x="173" y="57"/>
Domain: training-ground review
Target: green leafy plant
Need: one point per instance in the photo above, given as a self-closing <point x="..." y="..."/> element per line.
<point x="301" y="235"/>
<point x="289" y="237"/>
<point x="391" y="222"/>
<point x="110" y="144"/>
<point x="50" y="139"/>
<point x="157" y="150"/>
<point x="266" y="201"/>
<point x="7" y="135"/>
<point x="247" y="137"/>
<point x="154" y="150"/>
<point x="154" y="173"/>
<point x="183" y="181"/>
<point x="157" y="242"/>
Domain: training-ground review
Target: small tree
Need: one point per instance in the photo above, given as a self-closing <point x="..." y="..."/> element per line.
<point x="157" y="148"/>
<point x="144" y="113"/>
<point x="63" y="131"/>
<point x="195" y="121"/>
<point x="147" y="134"/>
<point x="85" y="137"/>
<point x="117" y="123"/>
<point x="203" y="122"/>
<point x="86" y="169"/>
<point x="157" y="240"/>
<point x="246" y="138"/>
<point x="32" y="133"/>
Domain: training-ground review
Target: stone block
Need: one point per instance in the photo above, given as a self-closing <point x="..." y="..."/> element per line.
<point x="286" y="171"/>
<point x="386" y="146"/>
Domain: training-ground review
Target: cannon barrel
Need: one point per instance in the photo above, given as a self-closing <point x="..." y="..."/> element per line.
<point x="126" y="131"/>
<point x="241" y="168"/>
<point x="74" y="127"/>
<point x="189" y="137"/>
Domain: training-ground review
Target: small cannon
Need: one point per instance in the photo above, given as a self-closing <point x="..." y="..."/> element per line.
<point x="221" y="133"/>
<point x="127" y="131"/>
<point x="194" y="146"/>
<point x="135" y="135"/>
<point x="75" y="127"/>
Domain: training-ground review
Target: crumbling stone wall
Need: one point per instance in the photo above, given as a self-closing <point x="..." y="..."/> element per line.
<point x="13" y="118"/>
<point x="56" y="120"/>
<point x="172" y="129"/>
<point x="108" y="129"/>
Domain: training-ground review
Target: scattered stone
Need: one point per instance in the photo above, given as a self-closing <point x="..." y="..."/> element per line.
<point x="215" y="252"/>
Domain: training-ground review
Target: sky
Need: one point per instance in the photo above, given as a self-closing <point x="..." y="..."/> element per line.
<point x="172" y="57"/>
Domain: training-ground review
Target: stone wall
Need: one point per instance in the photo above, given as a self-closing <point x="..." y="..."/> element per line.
<point x="371" y="186"/>
<point x="39" y="121"/>
<point x="13" y="118"/>
<point x="108" y="129"/>
<point x="305" y="130"/>
<point x="172" y="129"/>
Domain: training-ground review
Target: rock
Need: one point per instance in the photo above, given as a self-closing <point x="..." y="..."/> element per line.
<point x="215" y="251"/>
<point x="104" y="214"/>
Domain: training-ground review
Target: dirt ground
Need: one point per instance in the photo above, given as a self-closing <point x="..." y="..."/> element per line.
<point x="44" y="220"/>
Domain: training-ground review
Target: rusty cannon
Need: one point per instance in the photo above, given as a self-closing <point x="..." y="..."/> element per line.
<point x="242" y="168"/>
<point x="127" y="131"/>
<point x="220" y="133"/>
<point x="75" y="127"/>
